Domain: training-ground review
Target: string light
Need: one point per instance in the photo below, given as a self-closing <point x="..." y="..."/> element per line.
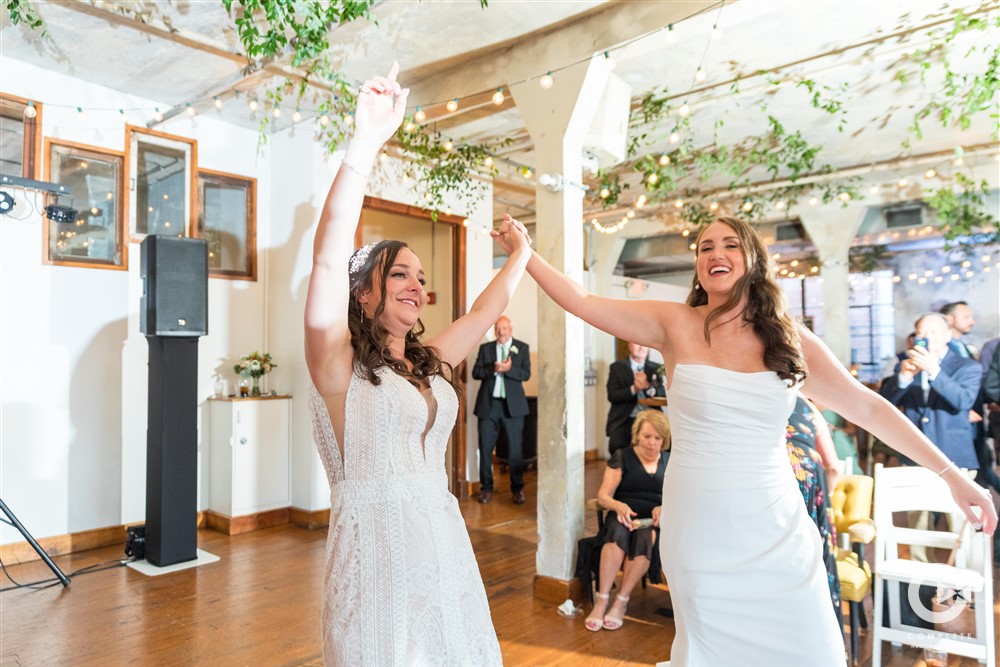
<point x="671" y="36"/>
<point x="348" y="119"/>
<point x="903" y="183"/>
<point x="297" y="115"/>
<point x="652" y="178"/>
<point x="713" y="206"/>
<point x="419" y="115"/>
<point x="159" y="116"/>
<point x="684" y="111"/>
<point x="675" y="137"/>
<point x="30" y="111"/>
<point x="452" y="105"/>
<point x="252" y="104"/>
<point x="716" y="33"/>
<point x="604" y="193"/>
<point x="324" y="120"/>
<point x="641" y="201"/>
<point x="498" y="97"/>
<point x="664" y="160"/>
<point x="685" y="232"/>
<point x="747" y="206"/>
<point x="449" y="145"/>
<point x="813" y="201"/>
<point x="780" y="204"/>
<point x="218" y="102"/>
<point x="930" y="173"/>
<point x="488" y="161"/>
<point x="276" y="112"/>
<point x="546" y="81"/>
<point x="678" y="203"/>
<point x="80" y="114"/>
<point x="700" y="74"/>
<point x="844" y="196"/>
<point x="190" y="109"/>
<point x="410" y="126"/>
<point x="873" y="190"/>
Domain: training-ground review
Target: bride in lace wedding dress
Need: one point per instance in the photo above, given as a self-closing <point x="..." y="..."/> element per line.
<point x="401" y="584"/>
<point x="743" y="561"/>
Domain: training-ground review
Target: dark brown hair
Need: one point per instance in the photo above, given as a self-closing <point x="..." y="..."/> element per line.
<point x="765" y="307"/>
<point x="369" y="337"/>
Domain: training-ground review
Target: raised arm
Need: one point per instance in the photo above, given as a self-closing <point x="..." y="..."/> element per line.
<point x="831" y="385"/>
<point x="641" y="322"/>
<point x="463" y="335"/>
<point x="379" y="113"/>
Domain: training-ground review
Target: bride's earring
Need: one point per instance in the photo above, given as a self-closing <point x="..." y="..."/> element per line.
<point x="697" y="286"/>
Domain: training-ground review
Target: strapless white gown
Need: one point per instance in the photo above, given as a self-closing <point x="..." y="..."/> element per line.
<point x="402" y="586"/>
<point x="743" y="560"/>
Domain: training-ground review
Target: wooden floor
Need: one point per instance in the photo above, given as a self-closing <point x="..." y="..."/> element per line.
<point x="260" y="604"/>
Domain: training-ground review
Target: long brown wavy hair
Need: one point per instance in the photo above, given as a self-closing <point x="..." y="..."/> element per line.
<point x="370" y="338"/>
<point x="765" y="309"/>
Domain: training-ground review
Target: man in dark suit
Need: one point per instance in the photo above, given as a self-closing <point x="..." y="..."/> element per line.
<point x="936" y="388"/>
<point x="629" y="380"/>
<point x="502" y="366"/>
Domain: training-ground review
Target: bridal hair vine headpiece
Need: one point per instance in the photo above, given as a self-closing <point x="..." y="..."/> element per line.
<point x="359" y="258"/>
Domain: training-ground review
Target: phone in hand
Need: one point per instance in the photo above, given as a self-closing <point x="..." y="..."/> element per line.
<point x="920" y="341"/>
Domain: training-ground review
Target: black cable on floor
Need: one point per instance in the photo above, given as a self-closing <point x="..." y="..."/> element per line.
<point x="48" y="583"/>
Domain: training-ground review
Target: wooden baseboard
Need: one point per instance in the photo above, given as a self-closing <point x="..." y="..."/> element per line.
<point x="590" y="455"/>
<point x="468" y="489"/>
<point x="309" y="519"/>
<point x="237" y="525"/>
<point x="557" y="591"/>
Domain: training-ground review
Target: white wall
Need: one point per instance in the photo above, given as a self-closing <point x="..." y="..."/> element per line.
<point x="65" y="465"/>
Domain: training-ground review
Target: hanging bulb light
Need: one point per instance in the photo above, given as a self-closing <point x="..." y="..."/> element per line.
<point x="664" y="160"/>
<point x="813" y="201"/>
<point x="276" y="112"/>
<point x="671" y="36"/>
<point x="546" y="80"/>
<point x="452" y="105"/>
<point x="410" y="126"/>
<point x="678" y="203"/>
<point x="675" y="136"/>
<point x="488" y="161"/>
<point x="449" y="145"/>
<point x="780" y="204"/>
<point x="419" y="116"/>
<point x="930" y="173"/>
<point x="296" y="115"/>
<point x="873" y="190"/>
<point x="652" y="178"/>
<point x="159" y="116"/>
<point x="604" y="193"/>
<point x="190" y="109"/>
<point x="383" y="156"/>
<point x="684" y="111"/>
<point x="30" y="111"/>
<point x="218" y="102"/>
<point x="713" y="206"/>
<point x="324" y="120"/>
<point x="348" y="119"/>
<point x="903" y="183"/>
<point x="80" y="114"/>
<point x="747" y="206"/>
<point x="844" y="196"/>
<point x="498" y="97"/>
<point x="641" y="201"/>
<point x="252" y="104"/>
<point x="685" y="232"/>
<point x="716" y="33"/>
<point x="700" y="75"/>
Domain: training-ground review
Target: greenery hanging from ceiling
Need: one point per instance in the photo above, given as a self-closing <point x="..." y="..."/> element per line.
<point x="446" y="170"/>
<point x="21" y="11"/>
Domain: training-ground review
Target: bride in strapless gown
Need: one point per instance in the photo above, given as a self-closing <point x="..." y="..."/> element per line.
<point x="742" y="559"/>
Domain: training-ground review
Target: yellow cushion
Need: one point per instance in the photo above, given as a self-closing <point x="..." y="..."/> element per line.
<point x="851" y="501"/>
<point x="855" y="580"/>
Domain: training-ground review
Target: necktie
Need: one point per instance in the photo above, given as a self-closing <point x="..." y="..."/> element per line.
<point x="503" y="357"/>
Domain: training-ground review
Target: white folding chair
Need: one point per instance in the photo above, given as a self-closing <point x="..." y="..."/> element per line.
<point x="908" y="489"/>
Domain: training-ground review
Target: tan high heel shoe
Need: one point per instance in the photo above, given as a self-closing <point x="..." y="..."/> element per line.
<point x="595" y="622"/>
<point x="615" y="622"/>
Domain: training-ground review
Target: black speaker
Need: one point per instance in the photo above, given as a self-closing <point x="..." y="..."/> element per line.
<point x="174" y="274"/>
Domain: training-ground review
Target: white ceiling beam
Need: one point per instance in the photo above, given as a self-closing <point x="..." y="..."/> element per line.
<point x="552" y="47"/>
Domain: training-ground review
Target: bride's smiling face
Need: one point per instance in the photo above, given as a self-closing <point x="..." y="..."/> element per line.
<point x="721" y="260"/>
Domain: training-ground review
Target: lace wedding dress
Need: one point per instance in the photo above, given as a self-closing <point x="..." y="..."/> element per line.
<point x="743" y="560"/>
<point x="401" y="586"/>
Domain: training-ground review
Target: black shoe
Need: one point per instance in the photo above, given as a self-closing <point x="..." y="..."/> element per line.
<point x="485" y="496"/>
<point x="519" y="497"/>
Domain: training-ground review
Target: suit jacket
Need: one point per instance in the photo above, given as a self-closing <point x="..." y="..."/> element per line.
<point x="944" y="416"/>
<point x="520" y="370"/>
<point x="623" y="401"/>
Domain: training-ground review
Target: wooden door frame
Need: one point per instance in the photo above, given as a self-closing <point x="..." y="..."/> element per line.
<point x="459" y="455"/>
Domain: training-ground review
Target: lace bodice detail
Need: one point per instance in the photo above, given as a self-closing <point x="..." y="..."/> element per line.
<point x="392" y="412"/>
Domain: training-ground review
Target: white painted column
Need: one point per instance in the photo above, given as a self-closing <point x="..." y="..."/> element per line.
<point x="558" y="120"/>
<point x="832" y="230"/>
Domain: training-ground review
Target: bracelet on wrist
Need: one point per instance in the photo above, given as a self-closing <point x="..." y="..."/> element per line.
<point x="355" y="170"/>
<point x="951" y="464"/>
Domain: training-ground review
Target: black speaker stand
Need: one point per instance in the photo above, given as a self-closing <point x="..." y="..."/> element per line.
<point x="34" y="545"/>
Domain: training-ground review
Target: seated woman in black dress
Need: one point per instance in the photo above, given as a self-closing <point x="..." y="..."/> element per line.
<point x="632" y="489"/>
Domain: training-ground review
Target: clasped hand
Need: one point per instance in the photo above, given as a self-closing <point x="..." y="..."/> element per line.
<point x="511" y="235"/>
<point x="502" y="366"/>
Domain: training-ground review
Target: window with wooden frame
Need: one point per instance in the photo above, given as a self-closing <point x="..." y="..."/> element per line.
<point x="162" y="195"/>
<point x="95" y="179"/>
<point x="20" y="137"/>
<point x="227" y="220"/>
